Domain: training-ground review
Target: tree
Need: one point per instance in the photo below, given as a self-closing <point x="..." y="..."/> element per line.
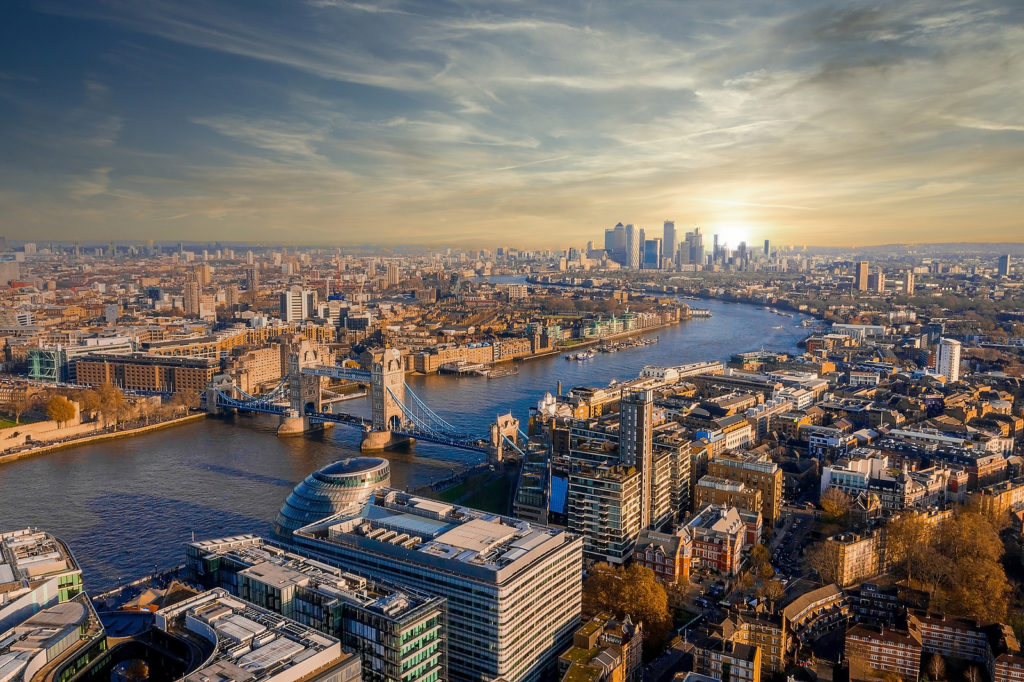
<point x="906" y="543"/>
<point x="772" y="590"/>
<point x="632" y="591"/>
<point x="824" y="559"/>
<point x="89" y="401"/>
<point x="183" y="401"/>
<point x="759" y="556"/>
<point x="936" y="668"/>
<point x="973" y="674"/>
<point x="19" y="404"/>
<point x="60" y="410"/>
<point x="836" y="504"/>
<point x="766" y="572"/>
<point x="111" y="403"/>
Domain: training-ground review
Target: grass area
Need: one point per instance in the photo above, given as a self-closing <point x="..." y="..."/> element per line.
<point x="488" y="491"/>
<point x="491" y="497"/>
<point x="453" y="493"/>
<point x="6" y="423"/>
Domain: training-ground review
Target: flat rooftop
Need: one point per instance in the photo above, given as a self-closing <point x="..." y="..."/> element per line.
<point x="252" y="644"/>
<point x="32" y="555"/>
<point x="271" y="565"/>
<point x="413" y="526"/>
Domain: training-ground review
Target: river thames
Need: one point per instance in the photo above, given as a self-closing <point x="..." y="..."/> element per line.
<point x="127" y="507"/>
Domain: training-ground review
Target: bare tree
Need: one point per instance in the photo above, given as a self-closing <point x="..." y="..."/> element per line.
<point x="19" y="404"/>
<point x="825" y="560"/>
<point x="936" y="667"/>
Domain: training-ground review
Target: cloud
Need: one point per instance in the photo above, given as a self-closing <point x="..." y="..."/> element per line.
<point x="95" y="184"/>
<point x="459" y="120"/>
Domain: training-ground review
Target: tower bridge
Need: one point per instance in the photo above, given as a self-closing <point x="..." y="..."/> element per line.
<point x="398" y="415"/>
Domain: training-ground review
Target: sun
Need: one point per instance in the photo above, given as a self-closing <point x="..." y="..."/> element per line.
<point x="731" y="233"/>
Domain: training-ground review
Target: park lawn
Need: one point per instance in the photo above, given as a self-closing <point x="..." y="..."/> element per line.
<point x="453" y="493"/>
<point x="6" y="423"/>
<point x="492" y="497"/>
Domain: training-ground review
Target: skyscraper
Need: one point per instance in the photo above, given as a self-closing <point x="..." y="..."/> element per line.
<point x="652" y="254"/>
<point x="252" y="282"/>
<point x="861" y="277"/>
<point x="636" y="442"/>
<point x="1004" y="265"/>
<point x="670" y="244"/>
<point x="767" y="248"/>
<point x="908" y="282"/>
<point x="634" y="245"/>
<point x="947" y="360"/>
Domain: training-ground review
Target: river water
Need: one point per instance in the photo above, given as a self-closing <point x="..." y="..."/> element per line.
<point x="126" y="507"/>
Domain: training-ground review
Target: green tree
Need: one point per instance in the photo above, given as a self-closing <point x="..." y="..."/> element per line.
<point x="60" y="410"/>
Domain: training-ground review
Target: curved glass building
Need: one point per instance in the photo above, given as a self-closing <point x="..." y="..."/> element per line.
<point x="347" y="483"/>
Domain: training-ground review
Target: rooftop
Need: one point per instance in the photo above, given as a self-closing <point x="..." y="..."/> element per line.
<point x="31" y="555"/>
<point x="274" y="566"/>
<point x="252" y="644"/>
<point x="444" y="535"/>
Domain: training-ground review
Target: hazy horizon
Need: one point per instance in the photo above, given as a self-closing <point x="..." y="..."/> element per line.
<point x="535" y="124"/>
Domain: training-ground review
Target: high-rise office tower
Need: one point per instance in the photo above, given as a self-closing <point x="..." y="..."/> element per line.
<point x="636" y="442"/>
<point x="619" y="244"/>
<point x="297" y="303"/>
<point x="861" y="277"/>
<point x="767" y="248"/>
<point x="695" y="247"/>
<point x="652" y="254"/>
<point x="609" y="242"/>
<point x="947" y="359"/>
<point x="670" y="244"/>
<point x="1004" y="265"/>
<point x="633" y="246"/>
<point x="513" y="587"/>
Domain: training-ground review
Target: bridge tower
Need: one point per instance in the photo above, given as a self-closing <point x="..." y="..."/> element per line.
<point x="387" y="388"/>
<point x="222" y="383"/>
<point x="303" y="389"/>
<point x="504" y="427"/>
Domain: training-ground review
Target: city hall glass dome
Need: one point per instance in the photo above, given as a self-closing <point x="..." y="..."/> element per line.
<point x="345" y="484"/>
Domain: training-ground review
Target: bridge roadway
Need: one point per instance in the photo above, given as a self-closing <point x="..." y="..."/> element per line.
<point x="398" y="413"/>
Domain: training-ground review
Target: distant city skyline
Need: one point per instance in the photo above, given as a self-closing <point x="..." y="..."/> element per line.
<point x="539" y="125"/>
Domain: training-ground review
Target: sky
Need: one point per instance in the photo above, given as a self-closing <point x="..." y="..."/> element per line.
<point x="529" y="124"/>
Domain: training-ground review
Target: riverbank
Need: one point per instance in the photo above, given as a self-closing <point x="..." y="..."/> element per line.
<point x="97" y="438"/>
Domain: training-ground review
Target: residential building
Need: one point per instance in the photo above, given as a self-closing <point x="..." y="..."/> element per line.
<point x="716" y="537"/>
<point x="513" y="588"/>
<point x="604" y="650"/>
<point x="947" y="359"/>
<point x="756" y="471"/>
<point x="667" y="554"/>
<point x="726" y="492"/>
<point x="872" y="649"/>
